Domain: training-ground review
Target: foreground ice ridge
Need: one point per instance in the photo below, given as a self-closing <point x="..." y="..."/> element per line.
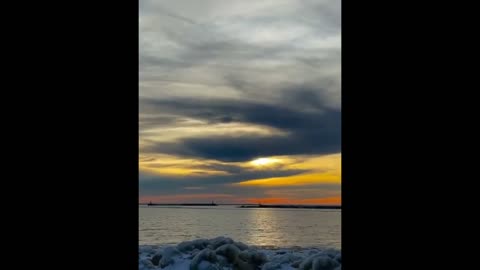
<point x="223" y="253"/>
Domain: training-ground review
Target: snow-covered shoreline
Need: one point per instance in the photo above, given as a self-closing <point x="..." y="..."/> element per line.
<point x="223" y="253"/>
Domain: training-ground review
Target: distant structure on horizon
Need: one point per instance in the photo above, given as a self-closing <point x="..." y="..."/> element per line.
<point x="183" y="204"/>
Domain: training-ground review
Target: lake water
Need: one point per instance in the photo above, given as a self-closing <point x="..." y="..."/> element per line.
<point x="260" y="227"/>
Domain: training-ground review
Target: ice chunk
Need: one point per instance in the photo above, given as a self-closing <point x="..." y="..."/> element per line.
<point x="229" y="251"/>
<point x="146" y="250"/>
<point x="321" y="261"/>
<point x="191" y="245"/>
<point x="253" y="257"/>
<point x="324" y="263"/>
<point x="219" y="241"/>
<point x="156" y="258"/>
<point x="230" y="255"/>
<point x="285" y="259"/>
<point x="338" y="258"/>
<point x="222" y="261"/>
<point x="168" y="256"/>
<point x="241" y="245"/>
<point x="242" y="265"/>
<point x="206" y="255"/>
<point x="204" y="265"/>
<point x="145" y="264"/>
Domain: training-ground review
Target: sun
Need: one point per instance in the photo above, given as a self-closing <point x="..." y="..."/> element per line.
<point x="263" y="161"/>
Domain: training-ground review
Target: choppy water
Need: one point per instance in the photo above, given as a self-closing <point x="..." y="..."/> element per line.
<point x="263" y="227"/>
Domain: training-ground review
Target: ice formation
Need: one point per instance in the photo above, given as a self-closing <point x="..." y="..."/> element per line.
<point x="223" y="253"/>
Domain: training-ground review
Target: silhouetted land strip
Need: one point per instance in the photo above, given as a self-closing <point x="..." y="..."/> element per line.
<point x="181" y="204"/>
<point x="293" y="206"/>
<point x="249" y="205"/>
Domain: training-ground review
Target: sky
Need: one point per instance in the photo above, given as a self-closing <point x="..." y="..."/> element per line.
<point x="240" y="101"/>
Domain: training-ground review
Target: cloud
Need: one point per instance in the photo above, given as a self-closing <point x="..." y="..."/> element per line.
<point x="307" y="132"/>
<point x="185" y="198"/>
<point x="288" y="200"/>
<point x="213" y="45"/>
<point x="153" y="183"/>
<point x="225" y="82"/>
<point x="296" y="180"/>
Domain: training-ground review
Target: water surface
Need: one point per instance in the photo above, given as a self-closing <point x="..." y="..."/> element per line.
<point x="255" y="226"/>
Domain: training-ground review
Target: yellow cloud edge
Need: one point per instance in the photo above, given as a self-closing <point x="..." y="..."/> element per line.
<point x="295" y="180"/>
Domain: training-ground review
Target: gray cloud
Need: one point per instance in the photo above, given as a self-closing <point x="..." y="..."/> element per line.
<point x="267" y="44"/>
<point x="308" y="132"/>
<point x="155" y="185"/>
<point x="271" y="63"/>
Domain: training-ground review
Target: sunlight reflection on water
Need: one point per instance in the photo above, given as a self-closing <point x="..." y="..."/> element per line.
<point x="262" y="227"/>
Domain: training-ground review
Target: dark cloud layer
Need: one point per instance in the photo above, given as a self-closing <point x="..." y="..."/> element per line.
<point x="155" y="182"/>
<point x="307" y="132"/>
<point x="158" y="185"/>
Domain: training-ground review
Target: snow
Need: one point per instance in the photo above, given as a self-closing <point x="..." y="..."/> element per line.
<point x="223" y="253"/>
